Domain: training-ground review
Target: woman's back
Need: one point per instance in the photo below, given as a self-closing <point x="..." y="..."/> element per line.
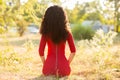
<point x="56" y="59"/>
<point x="55" y="34"/>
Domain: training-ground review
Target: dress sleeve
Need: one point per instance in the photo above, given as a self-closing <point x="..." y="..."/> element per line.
<point x="71" y="43"/>
<point x="42" y="45"/>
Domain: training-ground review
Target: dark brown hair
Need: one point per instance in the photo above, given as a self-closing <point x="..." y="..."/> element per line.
<point x="54" y="24"/>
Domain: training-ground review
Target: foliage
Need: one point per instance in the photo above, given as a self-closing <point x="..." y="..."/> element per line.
<point x="96" y="59"/>
<point x="99" y="46"/>
<point x="2" y="30"/>
<point x="5" y="15"/>
<point x="112" y="10"/>
<point x="82" y="32"/>
<point x="9" y="59"/>
<point x="12" y="60"/>
<point x="100" y="54"/>
<point x="101" y="38"/>
<point x="117" y="39"/>
<point x="95" y="16"/>
<point x="93" y="60"/>
<point x="14" y="13"/>
<point x="29" y="45"/>
<point x="86" y="11"/>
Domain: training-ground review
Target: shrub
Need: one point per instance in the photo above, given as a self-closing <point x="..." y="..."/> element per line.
<point x="117" y="39"/>
<point x="99" y="40"/>
<point x="2" y="30"/>
<point x="82" y="32"/>
<point x="28" y="45"/>
<point x="100" y="55"/>
<point x="102" y="38"/>
<point x="9" y="59"/>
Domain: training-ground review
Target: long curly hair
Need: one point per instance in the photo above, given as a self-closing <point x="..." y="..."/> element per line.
<point x="54" y="24"/>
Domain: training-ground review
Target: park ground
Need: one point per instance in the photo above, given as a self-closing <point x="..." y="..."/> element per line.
<point x="20" y="61"/>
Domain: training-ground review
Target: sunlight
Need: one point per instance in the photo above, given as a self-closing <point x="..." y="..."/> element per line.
<point x="93" y="25"/>
<point x="70" y="4"/>
<point x="23" y="1"/>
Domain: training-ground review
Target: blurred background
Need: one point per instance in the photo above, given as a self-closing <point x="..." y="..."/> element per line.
<point x="23" y="16"/>
<point x="95" y="25"/>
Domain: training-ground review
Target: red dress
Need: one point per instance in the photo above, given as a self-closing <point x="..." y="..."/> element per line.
<point x="56" y="62"/>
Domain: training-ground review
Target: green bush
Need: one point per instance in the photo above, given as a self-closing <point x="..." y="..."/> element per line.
<point x="99" y="40"/>
<point x="101" y="54"/>
<point x="8" y="59"/>
<point x="117" y="38"/>
<point x="82" y="32"/>
<point x="2" y="30"/>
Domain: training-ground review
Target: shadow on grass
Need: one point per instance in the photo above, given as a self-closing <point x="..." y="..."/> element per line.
<point x="42" y="77"/>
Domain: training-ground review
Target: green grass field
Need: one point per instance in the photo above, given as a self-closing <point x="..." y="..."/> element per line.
<point x="19" y="60"/>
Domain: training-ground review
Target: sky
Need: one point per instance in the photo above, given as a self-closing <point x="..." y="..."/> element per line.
<point x="70" y="4"/>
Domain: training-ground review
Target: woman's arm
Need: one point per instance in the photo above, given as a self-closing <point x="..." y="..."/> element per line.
<point x="72" y="47"/>
<point x="42" y="59"/>
<point x="71" y="57"/>
<point x="42" y="48"/>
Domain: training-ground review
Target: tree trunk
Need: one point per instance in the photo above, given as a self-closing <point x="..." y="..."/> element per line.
<point x="117" y="15"/>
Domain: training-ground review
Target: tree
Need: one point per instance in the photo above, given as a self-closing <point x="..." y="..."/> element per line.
<point x="5" y="15"/>
<point x="15" y="13"/>
<point x="86" y="11"/>
<point x="19" y="20"/>
<point x="113" y="7"/>
<point x="117" y="13"/>
<point x="27" y="13"/>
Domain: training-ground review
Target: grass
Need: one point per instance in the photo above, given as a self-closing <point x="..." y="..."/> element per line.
<point x="19" y="60"/>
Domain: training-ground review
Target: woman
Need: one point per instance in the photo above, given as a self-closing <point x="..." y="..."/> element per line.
<point x="55" y="34"/>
